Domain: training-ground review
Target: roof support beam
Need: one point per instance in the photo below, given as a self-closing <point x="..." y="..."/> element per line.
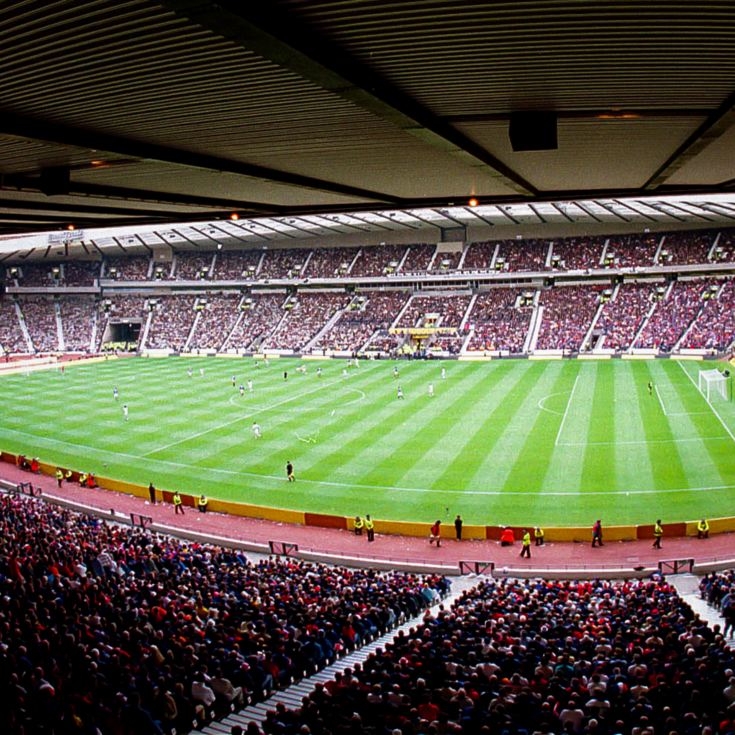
<point x="717" y="123"/>
<point x="13" y="182"/>
<point x="255" y="28"/>
<point x="30" y="128"/>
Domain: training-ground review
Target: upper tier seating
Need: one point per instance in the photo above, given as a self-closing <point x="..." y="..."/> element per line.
<point x="134" y="268"/>
<point x="577" y="253"/>
<point x="288" y="263"/>
<point x="380" y="260"/>
<point x="191" y="266"/>
<point x="686" y="248"/>
<point x="236" y="265"/>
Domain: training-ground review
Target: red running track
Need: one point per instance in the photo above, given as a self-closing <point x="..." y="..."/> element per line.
<point x="385" y="548"/>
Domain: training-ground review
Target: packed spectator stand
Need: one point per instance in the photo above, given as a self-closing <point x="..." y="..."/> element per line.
<point x="40" y="318"/>
<point x="12" y="340"/>
<point x="674" y="312"/>
<point x="682" y="319"/>
<point x="357" y="324"/>
<point x="78" y="314"/>
<point x="173" y="317"/>
<point x="577" y="253"/>
<point x="622" y="316"/>
<point x="132" y="268"/>
<point x="379" y="260"/>
<point x="497" y="323"/>
<point x="260" y="316"/>
<point x="567" y="317"/>
<point x="305" y="316"/>
<point x="217" y="318"/>
<point x="116" y="630"/>
<point x="715" y="327"/>
<point x="236" y="265"/>
<point x="537" y="656"/>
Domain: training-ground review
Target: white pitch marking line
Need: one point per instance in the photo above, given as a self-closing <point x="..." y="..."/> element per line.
<point x="237" y="420"/>
<point x="543" y="400"/>
<point x="660" y="400"/>
<point x="645" y="441"/>
<point x="359" y="486"/>
<point x="714" y="410"/>
<point x="566" y="411"/>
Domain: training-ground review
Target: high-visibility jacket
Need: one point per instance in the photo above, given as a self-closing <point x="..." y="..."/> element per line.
<point x="202" y="502"/>
<point x="177" y="499"/>
<point x="538" y="533"/>
<point x="59" y="475"/>
<point x="526" y="539"/>
<point x="703" y="526"/>
<point x="658" y="530"/>
<point x="369" y="524"/>
<point x="359" y="523"/>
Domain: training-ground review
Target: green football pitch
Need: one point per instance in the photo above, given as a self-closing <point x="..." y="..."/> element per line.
<point x="510" y="441"/>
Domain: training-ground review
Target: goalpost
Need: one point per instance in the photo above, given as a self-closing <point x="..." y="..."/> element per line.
<point x="713" y="384"/>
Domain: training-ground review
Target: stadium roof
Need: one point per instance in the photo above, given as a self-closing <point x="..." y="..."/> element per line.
<point x="125" y="112"/>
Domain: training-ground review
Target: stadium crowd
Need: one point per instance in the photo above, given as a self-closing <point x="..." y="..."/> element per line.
<point x="520" y="657"/>
<point x="39" y="314"/>
<point x="78" y="314"/>
<point x="377" y="311"/>
<point x="109" y="629"/>
<point x="173" y="317"/>
<point x="715" y="328"/>
<point x="132" y="268"/>
<point x="378" y="261"/>
<point x="260" y="317"/>
<point x="567" y="315"/>
<point x="574" y="253"/>
<point x="234" y="265"/>
<point x="673" y="315"/>
<point x="622" y="316"/>
<point x="497" y="323"/>
<point x="216" y="320"/>
<point x="308" y="315"/>
<point x="287" y="263"/>
<point x="12" y="339"/>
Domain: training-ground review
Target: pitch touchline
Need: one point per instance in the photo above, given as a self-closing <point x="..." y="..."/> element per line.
<point x="566" y="411"/>
<point x="353" y="485"/>
<point x="237" y="420"/>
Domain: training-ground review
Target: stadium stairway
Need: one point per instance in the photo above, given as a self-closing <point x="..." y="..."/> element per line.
<point x="687" y="585"/>
<point x="292" y="696"/>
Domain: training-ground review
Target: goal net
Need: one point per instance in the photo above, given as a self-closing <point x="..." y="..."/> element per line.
<point x="713" y="385"/>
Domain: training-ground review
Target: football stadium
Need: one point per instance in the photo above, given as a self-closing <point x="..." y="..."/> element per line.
<point x="367" y="367"/>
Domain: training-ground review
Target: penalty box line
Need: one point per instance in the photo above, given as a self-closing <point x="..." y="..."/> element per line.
<point x="714" y="410"/>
